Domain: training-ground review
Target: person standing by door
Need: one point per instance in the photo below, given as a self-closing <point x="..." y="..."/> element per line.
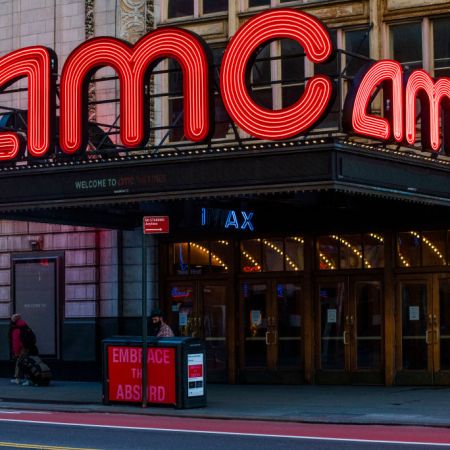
<point x="160" y="328"/>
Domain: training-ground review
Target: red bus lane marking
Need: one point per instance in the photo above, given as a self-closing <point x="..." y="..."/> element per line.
<point x="357" y="433"/>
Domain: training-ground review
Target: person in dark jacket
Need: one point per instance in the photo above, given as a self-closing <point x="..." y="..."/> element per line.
<point x="160" y="328"/>
<point x="19" y="349"/>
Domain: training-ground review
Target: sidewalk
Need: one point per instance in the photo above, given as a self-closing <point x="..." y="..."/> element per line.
<point x="326" y="404"/>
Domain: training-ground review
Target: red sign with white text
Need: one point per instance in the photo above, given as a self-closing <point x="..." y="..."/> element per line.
<point x="125" y="374"/>
<point x="156" y="224"/>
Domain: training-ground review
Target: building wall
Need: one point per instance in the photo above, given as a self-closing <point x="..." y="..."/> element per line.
<point x="102" y="268"/>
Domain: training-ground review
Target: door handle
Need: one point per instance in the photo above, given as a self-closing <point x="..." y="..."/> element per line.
<point x="346" y="341"/>
<point x="436" y="336"/>
<point x="427" y="337"/>
<point x="271" y="337"/>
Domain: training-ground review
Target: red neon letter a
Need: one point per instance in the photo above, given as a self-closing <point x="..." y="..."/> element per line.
<point x="132" y="64"/>
<point x="287" y="122"/>
<point x="357" y="102"/>
<point x="35" y="63"/>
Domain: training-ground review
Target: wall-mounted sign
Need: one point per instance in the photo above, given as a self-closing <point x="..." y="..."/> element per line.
<point x="228" y="219"/>
<point x="331" y="315"/>
<point x="155" y="224"/>
<point x="414" y="313"/>
<point x="134" y="63"/>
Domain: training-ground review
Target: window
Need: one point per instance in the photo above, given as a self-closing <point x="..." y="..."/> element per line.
<point x="441" y="41"/>
<point x="422" y="44"/>
<point x="180" y="8"/>
<point x="248" y="4"/>
<point x="196" y="258"/>
<point x="407" y="44"/>
<point x="253" y="3"/>
<point x="427" y="248"/>
<point x="194" y="8"/>
<point x="272" y="255"/>
<point x="292" y="71"/>
<point x="261" y="91"/>
<point x="357" y="51"/>
<point x="353" y="251"/>
<point x="408" y="41"/>
<point x="175" y="101"/>
<point x="214" y="6"/>
<point x="222" y="122"/>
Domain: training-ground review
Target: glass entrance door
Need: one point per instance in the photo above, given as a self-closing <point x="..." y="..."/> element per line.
<point x="270" y="331"/>
<point x="423" y="330"/>
<point x="199" y="309"/>
<point x="349" y="328"/>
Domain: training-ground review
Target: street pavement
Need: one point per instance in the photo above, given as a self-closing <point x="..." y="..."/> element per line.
<point x="86" y="431"/>
<point x="423" y="406"/>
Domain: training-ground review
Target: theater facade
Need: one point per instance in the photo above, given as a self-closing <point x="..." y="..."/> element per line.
<point x="306" y="188"/>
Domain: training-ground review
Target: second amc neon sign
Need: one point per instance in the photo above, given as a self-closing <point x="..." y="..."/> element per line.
<point x="134" y="64"/>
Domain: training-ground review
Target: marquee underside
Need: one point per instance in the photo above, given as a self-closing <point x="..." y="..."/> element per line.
<point x="303" y="176"/>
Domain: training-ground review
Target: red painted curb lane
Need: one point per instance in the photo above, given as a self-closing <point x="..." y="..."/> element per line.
<point x="332" y="431"/>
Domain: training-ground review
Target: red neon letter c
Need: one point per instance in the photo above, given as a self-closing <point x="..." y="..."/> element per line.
<point x="287" y="122"/>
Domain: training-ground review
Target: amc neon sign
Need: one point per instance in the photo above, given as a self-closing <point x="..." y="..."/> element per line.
<point x="134" y="64"/>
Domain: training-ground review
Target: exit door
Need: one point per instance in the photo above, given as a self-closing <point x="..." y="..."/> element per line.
<point x="349" y="330"/>
<point x="199" y="309"/>
<point x="270" y="331"/>
<point x="423" y="329"/>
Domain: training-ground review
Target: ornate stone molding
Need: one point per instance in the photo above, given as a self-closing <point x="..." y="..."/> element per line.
<point x="89" y="31"/>
<point x="136" y="18"/>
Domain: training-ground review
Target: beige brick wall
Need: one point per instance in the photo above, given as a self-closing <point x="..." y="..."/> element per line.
<point x="90" y="255"/>
<point x="90" y="264"/>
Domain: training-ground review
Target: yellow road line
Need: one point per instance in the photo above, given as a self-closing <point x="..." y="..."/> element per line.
<point x="40" y="447"/>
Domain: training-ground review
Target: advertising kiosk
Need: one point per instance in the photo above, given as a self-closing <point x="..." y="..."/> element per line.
<point x="175" y="366"/>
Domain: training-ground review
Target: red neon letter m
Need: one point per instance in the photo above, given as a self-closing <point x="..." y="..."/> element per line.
<point x="133" y="64"/>
<point x="35" y="63"/>
<point x="432" y="95"/>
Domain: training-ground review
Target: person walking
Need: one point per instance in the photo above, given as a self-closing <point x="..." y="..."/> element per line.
<point x="22" y="343"/>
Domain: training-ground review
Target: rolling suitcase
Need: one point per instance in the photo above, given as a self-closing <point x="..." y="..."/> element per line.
<point x="36" y="370"/>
